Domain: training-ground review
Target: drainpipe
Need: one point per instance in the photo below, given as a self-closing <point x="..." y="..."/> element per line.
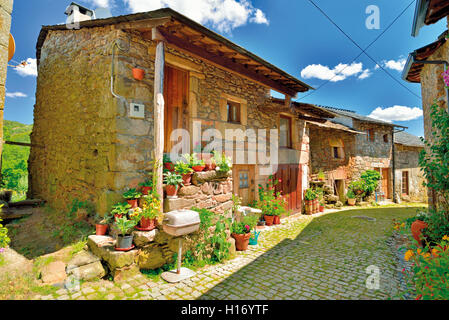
<point x="395" y="198"/>
<point x="115" y="44"/>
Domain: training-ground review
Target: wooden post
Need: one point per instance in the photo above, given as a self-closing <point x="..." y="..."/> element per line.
<point x="159" y="109"/>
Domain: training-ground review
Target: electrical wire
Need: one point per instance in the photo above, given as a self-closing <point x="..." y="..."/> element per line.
<point x="363" y="50"/>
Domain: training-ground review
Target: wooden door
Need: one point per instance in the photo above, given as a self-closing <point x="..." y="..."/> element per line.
<point x="244" y="183"/>
<point x="385" y="182"/>
<point x="290" y="185"/>
<point x="175" y="96"/>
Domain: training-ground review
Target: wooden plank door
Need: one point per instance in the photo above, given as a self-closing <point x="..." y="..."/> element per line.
<point x="175" y="96"/>
<point x="244" y="183"/>
<point x="386" y="182"/>
<point x="291" y="185"/>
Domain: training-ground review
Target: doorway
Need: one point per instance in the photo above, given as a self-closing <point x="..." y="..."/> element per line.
<point x="176" y="88"/>
<point x="385" y="181"/>
<point x="290" y="185"/>
<point x="244" y="182"/>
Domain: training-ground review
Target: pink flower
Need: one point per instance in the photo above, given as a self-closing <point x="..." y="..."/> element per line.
<point x="247" y="228"/>
<point x="2" y="250"/>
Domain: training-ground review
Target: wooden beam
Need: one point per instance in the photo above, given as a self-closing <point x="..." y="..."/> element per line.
<point x="22" y="144"/>
<point x="159" y="110"/>
<point x="146" y="24"/>
<point x="227" y="64"/>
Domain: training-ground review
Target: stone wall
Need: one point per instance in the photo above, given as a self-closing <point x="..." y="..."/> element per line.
<point x="432" y="88"/>
<point x="407" y="159"/>
<point x="5" y="26"/>
<point x="87" y="145"/>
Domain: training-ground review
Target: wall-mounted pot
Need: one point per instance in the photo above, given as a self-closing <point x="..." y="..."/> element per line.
<point x="138" y="73"/>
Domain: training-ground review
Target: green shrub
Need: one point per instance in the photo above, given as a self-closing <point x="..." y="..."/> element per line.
<point x="371" y="179"/>
<point x="4" y="239"/>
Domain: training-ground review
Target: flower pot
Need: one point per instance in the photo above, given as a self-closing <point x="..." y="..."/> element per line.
<point x="146" y="190"/>
<point x="351" y="202"/>
<point x="147" y="224"/>
<point x="198" y="168"/>
<point x="169" y="166"/>
<point x="134" y="203"/>
<point x="210" y="166"/>
<point x="172" y="191"/>
<point x="241" y="241"/>
<point x="124" y="242"/>
<point x="186" y="179"/>
<point x="269" y="220"/>
<point x="417" y="228"/>
<point x="138" y="74"/>
<point x="316" y="206"/>
<point x="101" y="229"/>
<point x="321" y="208"/>
<point x="277" y="220"/>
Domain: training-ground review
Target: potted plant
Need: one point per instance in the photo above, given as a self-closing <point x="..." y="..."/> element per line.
<point x="185" y="171"/>
<point x="102" y="224"/>
<point x="150" y="212"/>
<point x="253" y="240"/>
<point x="223" y="163"/>
<point x="351" y="198"/>
<point x="147" y="186"/>
<point x="124" y="237"/>
<point x="120" y="209"/>
<point x="241" y="231"/>
<point x="132" y="196"/>
<point x="322" y="206"/>
<point x="310" y="197"/>
<point x="198" y="165"/>
<point x="168" y="164"/>
<point x="172" y="181"/>
<point x="321" y="176"/>
<point x="210" y="164"/>
<point x="138" y="73"/>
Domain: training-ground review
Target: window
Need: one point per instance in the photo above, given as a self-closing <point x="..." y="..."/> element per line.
<point x="405" y="183"/>
<point x="233" y="112"/>
<point x="386" y="138"/>
<point x="243" y="180"/>
<point x="370" y="135"/>
<point x="285" y="132"/>
<point x="338" y="151"/>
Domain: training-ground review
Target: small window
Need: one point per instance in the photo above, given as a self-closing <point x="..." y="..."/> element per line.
<point x="405" y="182"/>
<point x="338" y="151"/>
<point x="386" y="138"/>
<point x="233" y="112"/>
<point x="285" y="132"/>
<point x="243" y="180"/>
<point x="370" y="135"/>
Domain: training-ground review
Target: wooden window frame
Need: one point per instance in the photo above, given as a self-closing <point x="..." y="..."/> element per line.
<point x="340" y="152"/>
<point x="370" y="135"/>
<point x="290" y="132"/>
<point x="405" y="184"/>
<point x="386" y="139"/>
<point x="230" y="105"/>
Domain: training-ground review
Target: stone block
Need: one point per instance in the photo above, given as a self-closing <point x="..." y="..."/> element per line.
<point x="143" y="238"/>
<point x="80" y="259"/>
<point x="177" y="204"/>
<point x="199" y="178"/>
<point x="89" y="271"/>
<point x="223" y="197"/>
<point x="150" y="258"/>
<point x="125" y="273"/>
<point x="188" y="191"/>
<point x="103" y="247"/>
<point x="54" y="273"/>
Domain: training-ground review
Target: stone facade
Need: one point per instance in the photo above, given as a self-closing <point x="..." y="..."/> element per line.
<point x="407" y="159"/>
<point x="86" y="144"/>
<point x="432" y="89"/>
<point x="5" y="26"/>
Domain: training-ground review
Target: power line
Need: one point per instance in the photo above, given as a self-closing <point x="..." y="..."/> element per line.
<point x="363" y="50"/>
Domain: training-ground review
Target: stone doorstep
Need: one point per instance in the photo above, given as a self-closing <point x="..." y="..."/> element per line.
<point x="103" y="247"/>
<point x="81" y="259"/>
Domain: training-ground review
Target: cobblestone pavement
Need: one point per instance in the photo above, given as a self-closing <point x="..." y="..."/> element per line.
<point x="324" y="257"/>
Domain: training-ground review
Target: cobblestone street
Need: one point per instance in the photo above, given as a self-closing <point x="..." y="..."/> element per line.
<point x="324" y="257"/>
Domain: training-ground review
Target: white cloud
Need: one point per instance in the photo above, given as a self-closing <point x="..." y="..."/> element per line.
<point x="224" y="15"/>
<point x="396" y="113"/>
<point x="16" y="95"/>
<point x="30" y="69"/>
<point x="102" y="3"/>
<point x="338" y="73"/>
<point x="365" y="74"/>
<point x="397" y="65"/>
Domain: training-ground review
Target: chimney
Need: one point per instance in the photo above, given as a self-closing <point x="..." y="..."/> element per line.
<point x="77" y="13"/>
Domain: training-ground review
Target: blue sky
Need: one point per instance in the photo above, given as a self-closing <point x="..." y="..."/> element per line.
<point x="292" y="35"/>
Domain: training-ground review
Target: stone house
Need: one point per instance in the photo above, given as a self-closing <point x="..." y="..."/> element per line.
<point x="353" y="144"/>
<point x="96" y="128"/>
<point x="426" y="65"/>
<point x="408" y="174"/>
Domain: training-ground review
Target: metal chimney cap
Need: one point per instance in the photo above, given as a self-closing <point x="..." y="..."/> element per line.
<point x="69" y="9"/>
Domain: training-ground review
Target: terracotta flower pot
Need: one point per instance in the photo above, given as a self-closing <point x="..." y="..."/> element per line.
<point x="147" y="224"/>
<point x="146" y="190"/>
<point x="138" y="74"/>
<point x="198" y="168"/>
<point x="417" y="228"/>
<point x="186" y="179"/>
<point x="134" y="203"/>
<point x="172" y="191"/>
<point x="351" y="202"/>
<point x="277" y="220"/>
<point x="241" y="241"/>
<point x="269" y="220"/>
<point x="321" y="209"/>
<point x="101" y="229"/>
